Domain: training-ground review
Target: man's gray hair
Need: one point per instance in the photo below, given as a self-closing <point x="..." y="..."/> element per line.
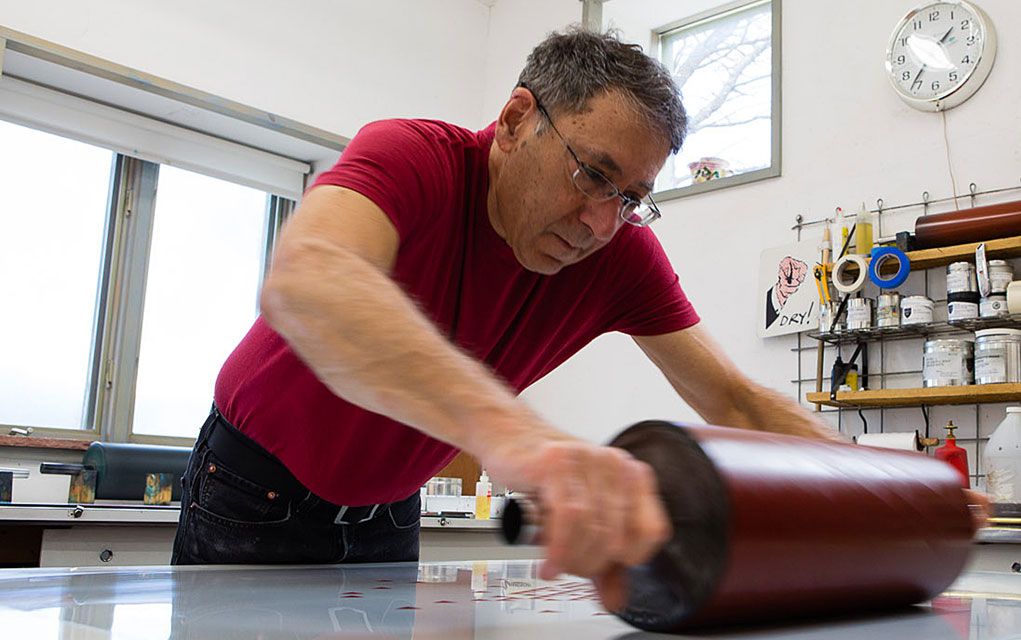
<point x="567" y="69"/>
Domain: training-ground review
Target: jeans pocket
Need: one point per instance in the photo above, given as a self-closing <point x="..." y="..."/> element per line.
<point x="406" y="513"/>
<point x="226" y="495"/>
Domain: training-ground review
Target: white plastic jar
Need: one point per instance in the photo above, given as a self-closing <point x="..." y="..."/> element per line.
<point x="1002" y="459"/>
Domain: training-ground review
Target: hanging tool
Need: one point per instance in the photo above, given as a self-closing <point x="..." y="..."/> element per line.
<point x="840" y="368"/>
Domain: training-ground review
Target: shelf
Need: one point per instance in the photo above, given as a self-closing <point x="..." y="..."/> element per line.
<point x="1001" y="248"/>
<point x="918" y="330"/>
<point x="970" y="394"/>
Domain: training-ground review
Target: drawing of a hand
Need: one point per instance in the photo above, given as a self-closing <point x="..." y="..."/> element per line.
<point x="791" y="274"/>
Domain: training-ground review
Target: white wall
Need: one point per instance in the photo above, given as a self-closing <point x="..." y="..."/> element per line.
<point x="327" y="63"/>
<point x="515" y="28"/>
<point x="846" y="139"/>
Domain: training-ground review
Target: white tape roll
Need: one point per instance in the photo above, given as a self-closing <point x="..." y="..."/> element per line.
<point x="904" y="441"/>
<point x="1014" y="297"/>
<point x="841" y="267"/>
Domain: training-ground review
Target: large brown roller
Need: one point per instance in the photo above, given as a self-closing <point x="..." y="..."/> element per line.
<point x="970" y="225"/>
<point x="775" y="527"/>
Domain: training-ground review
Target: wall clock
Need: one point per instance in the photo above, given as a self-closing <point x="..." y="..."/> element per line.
<point x="940" y="54"/>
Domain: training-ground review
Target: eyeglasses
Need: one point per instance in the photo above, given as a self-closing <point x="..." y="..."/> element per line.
<point x="594" y="184"/>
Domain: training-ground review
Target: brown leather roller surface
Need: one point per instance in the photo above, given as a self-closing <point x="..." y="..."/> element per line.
<point x="774" y="527"/>
<point x="969" y="225"/>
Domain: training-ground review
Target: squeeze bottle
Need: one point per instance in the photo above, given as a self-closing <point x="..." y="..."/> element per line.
<point x="863" y="232"/>
<point x="483" y="496"/>
<point x="1002" y="459"/>
<point x="955" y="456"/>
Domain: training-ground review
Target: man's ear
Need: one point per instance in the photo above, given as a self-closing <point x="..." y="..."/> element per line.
<point x="517" y="119"/>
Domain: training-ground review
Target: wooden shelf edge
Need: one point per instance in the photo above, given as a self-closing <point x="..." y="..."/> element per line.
<point x="971" y="394"/>
<point x="942" y="256"/>
<point x="44" y="443"/>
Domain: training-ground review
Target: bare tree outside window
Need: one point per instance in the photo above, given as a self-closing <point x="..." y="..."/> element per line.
<point x="723" y="65"/>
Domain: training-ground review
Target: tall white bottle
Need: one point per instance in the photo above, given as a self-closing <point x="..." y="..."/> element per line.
<point x="483" y="496"/>
<point x="1002" y="459"/>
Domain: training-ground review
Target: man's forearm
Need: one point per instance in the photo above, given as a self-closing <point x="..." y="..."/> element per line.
<point x="764" y="409"/>
<point x="365" y="339"/>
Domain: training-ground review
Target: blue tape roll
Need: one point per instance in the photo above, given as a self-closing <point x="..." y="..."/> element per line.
<point x="883" y="255"/>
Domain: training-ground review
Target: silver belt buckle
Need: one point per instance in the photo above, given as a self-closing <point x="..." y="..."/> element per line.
<point x="340" y="515"/>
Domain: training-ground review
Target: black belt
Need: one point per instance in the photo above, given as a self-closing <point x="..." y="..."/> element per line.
<point x="250" y="460"/>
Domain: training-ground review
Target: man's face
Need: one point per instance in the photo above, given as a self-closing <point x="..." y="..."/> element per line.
<point x="539" y="211"/>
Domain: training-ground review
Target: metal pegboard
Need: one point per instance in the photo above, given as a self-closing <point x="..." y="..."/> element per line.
<point x="842" y="342"/>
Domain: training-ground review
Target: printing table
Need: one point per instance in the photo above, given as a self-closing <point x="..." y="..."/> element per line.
<point x="124" y="534"/>
<point x="452" y="600"/>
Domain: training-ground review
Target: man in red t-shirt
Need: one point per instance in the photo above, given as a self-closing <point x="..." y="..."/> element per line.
<point x="427" y="278"/>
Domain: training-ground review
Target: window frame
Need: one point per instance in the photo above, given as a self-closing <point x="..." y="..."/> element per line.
<point x="41" y="103"/>
<point x="120" y="299"/>
<point x="774" y="170"/>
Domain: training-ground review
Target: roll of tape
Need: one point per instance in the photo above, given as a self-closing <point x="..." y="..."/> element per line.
<point x="881" y="256"/>
<point x="904" y="441"/>
<point x="1014" y="297"/>
<point x="841" y="266"/>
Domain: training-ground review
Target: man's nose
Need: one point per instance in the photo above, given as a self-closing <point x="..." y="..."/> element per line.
<point x="603" y="218"/>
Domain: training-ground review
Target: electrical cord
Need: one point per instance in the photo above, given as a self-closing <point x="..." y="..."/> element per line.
<point x="950" y="165"/>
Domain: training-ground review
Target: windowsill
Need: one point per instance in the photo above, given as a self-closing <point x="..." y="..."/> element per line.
<point x="44" y="443"/>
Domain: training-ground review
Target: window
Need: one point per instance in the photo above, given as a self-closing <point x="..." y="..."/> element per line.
<point x="51" y="249"/>
<point x="201" y="287"/>
<point x="116" y="294"/>
<point x="727" y="65"/>
<point x="119" y="301"/>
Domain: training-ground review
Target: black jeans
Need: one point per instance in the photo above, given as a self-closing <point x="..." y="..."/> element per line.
<point x="240" y="505"/>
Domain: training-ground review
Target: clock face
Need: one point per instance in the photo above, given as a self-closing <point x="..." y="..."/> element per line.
<point x="939" y="54"/>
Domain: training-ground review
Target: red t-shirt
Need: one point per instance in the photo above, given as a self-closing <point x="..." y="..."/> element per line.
<point x="430" y="178"/>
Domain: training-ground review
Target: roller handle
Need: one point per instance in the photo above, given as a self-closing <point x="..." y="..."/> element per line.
<point x="520" y="524"/>
<point x="61" y="468"/>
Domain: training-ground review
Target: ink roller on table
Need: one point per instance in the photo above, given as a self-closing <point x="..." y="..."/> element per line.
<point x="771" y="527"/>
<point x="121" y="468"/>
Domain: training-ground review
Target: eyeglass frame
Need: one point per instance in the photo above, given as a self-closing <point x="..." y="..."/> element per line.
<point x="626" y="200"/>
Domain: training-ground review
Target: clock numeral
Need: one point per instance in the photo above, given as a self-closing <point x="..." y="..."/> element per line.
<point x="966" y="60"/>
<point x="903" y="42"/>
<point x="917" y="84"/>
<point x="933" y="16"/>
<point x="951" y="14"/>
<point x="901" y="59"/>
<point x="906" y="75"/>
<point x="917" y="24"/>
<point x="970" y="40"/>
<point x="935" y="85"/>
<point x="965" y="24"/>
<point x="953" y="76"/>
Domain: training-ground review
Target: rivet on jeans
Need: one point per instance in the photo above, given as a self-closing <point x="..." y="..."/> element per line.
<point x="212" y="468"/>
<point x="272" y="495"/>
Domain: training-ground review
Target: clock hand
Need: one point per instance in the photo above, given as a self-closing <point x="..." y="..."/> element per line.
<point x="918" y="75"/>
<point x="946" y="34"/>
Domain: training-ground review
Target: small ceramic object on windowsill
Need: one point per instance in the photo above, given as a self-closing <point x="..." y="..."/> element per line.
<point x="706" y="169"/>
